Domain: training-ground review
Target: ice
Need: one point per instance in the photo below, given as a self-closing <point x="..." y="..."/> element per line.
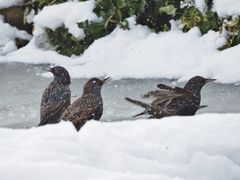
<point x="24" y="84"/>
<point x="203" y="147"/>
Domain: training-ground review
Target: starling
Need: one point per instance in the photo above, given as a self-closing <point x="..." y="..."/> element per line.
<point x="56" y="97"/>
<point x="88" y="106"/>
<point x="176" y="101"/>
<point x="189" y="103"/>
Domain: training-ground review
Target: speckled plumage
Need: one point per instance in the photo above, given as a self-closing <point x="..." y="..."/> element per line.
<point x="176" y="101"/>
<point x="56" y="97"/>
<point x="88" y="106"/>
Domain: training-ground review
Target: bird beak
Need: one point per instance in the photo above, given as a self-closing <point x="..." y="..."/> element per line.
<point x="49" y="69"/>
<point x="202" y="106"/>
<point x="209" y="80"/>
<point x="106" y="80"/>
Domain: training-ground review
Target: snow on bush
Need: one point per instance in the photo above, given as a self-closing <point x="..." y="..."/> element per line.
<point x="10" y="3"/>
<point x="8" y="34"/>
<point x="134" y="53"/>
<point x="66" y="14"/>
<point x="226" y="8"/>
<point x="203" y="147"/>
<point x="201" y="5"/>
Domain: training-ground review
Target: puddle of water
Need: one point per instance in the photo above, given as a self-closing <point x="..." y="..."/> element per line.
<point x="22" y="87"/>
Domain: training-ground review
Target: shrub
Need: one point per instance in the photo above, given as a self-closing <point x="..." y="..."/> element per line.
<point x="152" y="13"/>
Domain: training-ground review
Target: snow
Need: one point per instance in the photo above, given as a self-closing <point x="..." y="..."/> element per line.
<point x="134" y="53"/>
<point x="201" y="5"/>
<point x="7" y="36"/>
<point x="34" y="55"/>
<point x="140" y="53"/>
<point x="226" y="8"/>
<point x="10" y="3"/>
<point x="203" y="147"/>
<point x="67" y="14"/>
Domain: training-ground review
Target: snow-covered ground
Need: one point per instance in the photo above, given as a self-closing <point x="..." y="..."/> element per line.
<point x="204" y="147"/>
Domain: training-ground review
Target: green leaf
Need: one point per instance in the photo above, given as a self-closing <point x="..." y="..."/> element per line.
<point x="120" y="4"/>
<point x="170" y="10"/>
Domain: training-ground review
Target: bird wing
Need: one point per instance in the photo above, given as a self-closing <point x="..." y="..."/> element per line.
<point x="202" y="106"/>
<point x="53" y="111"/>
<point x="80" y="116"/>
<point x="156" y="93"/>
<point x="165" y="91"/>
<point x="84" y="115"/>
<point x="154" y="111"/>
<point x="165" y="87"/>
<point x="81" y="111"/>
<point x="176" y="89"/>
<point x="139" y="103"/>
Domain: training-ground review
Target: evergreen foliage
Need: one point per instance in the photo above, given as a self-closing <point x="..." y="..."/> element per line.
<point x="155" y="14"/>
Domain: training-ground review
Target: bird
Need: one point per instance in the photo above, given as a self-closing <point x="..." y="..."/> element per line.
<point x="88" y="106"/>
<point x="56" y="97"/>
<point x="189" y="103"/>
<point x="174" y="101"/>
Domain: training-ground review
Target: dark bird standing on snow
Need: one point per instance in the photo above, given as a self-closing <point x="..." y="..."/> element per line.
<point x="56" y="97"/>
<point x="88" y="106"/>
<point x="174" y="101"/>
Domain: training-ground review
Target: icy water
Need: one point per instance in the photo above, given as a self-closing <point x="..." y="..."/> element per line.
<point x="22" y="86"/>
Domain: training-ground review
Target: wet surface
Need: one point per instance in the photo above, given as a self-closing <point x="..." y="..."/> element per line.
<point x="22" y="86"/>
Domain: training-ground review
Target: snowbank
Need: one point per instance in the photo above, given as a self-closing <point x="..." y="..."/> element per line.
<point x="8" y="34"/>
<point x="137" y="53"/>
<point x="10" y="3"/>
<point x="204" y="147"/>
<point x="140" y="53"/>
<point x="67" y="14"/>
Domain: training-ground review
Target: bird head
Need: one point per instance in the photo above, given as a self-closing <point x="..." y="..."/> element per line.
<point x="196" y="83"/>
<point x="95" y="85"/>
<point x="61" y="75"/>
